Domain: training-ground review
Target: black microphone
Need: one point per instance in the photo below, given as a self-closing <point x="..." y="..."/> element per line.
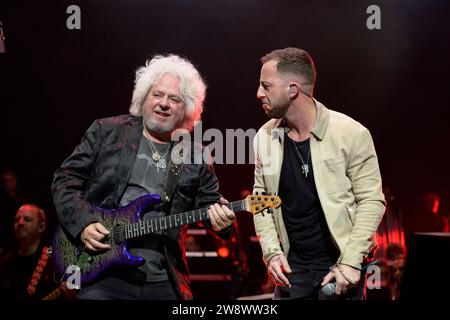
<point x="330" y="288"/>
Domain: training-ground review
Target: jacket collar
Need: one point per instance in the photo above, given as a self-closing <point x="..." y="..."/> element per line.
<point x="322" y="119"/>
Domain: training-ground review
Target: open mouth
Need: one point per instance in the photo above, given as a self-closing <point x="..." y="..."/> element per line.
<point x="162" y="114"/>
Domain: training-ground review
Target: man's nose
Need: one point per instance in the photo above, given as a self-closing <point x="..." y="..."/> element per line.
<point x="260" y="93"/>
<point x="164" y="103"/>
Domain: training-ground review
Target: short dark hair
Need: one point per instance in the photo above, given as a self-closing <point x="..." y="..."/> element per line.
<point x="40" y="212"/>
<point x="295" y="61"/>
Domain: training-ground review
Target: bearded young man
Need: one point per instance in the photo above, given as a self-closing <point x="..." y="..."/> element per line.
<point x="324" y="167"/>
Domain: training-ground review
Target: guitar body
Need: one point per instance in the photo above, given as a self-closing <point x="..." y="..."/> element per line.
<point x="70" y="252"/>
<point x="126" y="223"/>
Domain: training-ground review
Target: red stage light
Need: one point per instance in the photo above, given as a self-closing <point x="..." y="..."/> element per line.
<point x="223" y="252"/>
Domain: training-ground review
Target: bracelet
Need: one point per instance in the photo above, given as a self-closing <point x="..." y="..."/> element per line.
<point x="345" y="277"/>
<point x="359" y="269"/>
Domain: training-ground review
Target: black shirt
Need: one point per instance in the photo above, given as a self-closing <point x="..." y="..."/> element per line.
<point x="308" y="233"/>
<point x="16" y="272"/>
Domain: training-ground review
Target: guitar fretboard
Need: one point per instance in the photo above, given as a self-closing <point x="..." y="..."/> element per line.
<point x="54" y="294"/>
<point x="145" y="227"/>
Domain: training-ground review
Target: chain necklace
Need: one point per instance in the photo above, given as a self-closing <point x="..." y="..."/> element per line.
<point x="305" y="166"/>
<point x="160" y="160"/>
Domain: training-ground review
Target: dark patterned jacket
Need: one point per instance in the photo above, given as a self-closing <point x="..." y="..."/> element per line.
<point x="97" y="173"/>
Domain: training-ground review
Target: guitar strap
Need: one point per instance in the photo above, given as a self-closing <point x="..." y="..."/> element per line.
<point x="38" y="270"/>
<point x="172" y="176"/>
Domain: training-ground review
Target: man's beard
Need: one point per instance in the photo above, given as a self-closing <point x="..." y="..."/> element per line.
<point x="161" y="128"/>
<point x="279" y="110"/>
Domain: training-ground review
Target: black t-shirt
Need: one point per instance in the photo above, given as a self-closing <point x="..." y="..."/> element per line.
<point x="15" y="275"/>
<point x="308" y="233"/>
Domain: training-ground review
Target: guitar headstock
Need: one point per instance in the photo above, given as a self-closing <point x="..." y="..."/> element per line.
<point x="259" y="203"/>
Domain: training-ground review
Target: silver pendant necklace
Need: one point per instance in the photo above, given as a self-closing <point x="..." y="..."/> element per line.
<point x="305" y="166"/>
<point x="160" y="160"/>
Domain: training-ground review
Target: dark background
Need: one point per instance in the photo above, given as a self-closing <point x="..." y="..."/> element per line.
<point x="395" y="81"/>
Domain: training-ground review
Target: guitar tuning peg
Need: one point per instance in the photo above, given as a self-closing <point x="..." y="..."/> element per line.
<point x="263" y="193"/>
<point x="256" y="193"/>
<point x="269" y="210"/>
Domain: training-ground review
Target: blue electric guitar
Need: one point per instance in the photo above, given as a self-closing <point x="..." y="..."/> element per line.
<point x="124" y="224"/>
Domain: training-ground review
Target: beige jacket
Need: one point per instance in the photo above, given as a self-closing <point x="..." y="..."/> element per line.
<point x="347" y="179"/>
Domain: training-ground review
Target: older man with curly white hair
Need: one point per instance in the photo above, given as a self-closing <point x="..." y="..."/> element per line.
<point x="122" y="158"/>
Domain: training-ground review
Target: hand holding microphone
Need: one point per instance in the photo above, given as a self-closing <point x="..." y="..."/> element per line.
<point x="330" y="288"/>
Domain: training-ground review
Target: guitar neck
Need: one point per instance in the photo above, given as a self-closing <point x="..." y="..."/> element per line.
<point x="145" y="227"/>
<point x="54" y="294"/>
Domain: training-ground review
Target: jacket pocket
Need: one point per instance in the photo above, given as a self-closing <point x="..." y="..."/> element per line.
<point x="335" y="178"/>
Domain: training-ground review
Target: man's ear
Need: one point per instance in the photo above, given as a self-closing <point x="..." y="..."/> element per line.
<point x="293" y="90"/>
<point x="41" y="227"/>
